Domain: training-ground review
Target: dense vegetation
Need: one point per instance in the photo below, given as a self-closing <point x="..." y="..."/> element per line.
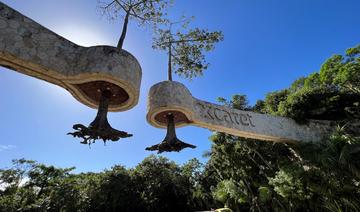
<point x="243" y="174"/>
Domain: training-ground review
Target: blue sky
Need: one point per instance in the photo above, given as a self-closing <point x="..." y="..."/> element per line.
<point x="268" y="44"/>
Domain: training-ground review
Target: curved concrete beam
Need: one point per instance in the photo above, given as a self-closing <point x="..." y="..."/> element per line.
<point x="31" y="49"/>
<point x="173" y="97"/>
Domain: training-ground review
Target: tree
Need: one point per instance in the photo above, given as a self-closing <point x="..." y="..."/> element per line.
<point x="143" y="11"/>
<point x="256" y="175"/>
<point x="12" y="195"/>
<point x="114" y="190"/>
<point x="330" y="94"/>
<point x="197" y="198"/>
<point x="185" y="51"/>
<point x="349" y="75"/>
<point x="185" y="47"/>
<point x="241" y="168"/>
<point x="37" y="187"/>
<point x="237" y="101"/>
<point x="161" y="185"/>
<point x="273" y="100"/>
<point x="228" y="193"/>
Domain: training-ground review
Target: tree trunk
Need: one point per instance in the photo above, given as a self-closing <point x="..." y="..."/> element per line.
<point x="124" y="29"/>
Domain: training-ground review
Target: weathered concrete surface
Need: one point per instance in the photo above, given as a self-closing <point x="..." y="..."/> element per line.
<point x="174" y="96"/>
<point x="31" y="49"/>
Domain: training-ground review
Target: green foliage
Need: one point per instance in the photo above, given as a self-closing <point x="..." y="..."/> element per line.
<point x="331" y="94"/>
<point x="323" y="179"/>
<point x="349" y="75"/>
<point x="273" y="100"/>
<point x="161" y="185"/>
<point x="145" y="12"/>
<point x="264" y="194"/>
<point x="321" y="176"/>
<point x="186" y="47"/>
<point x="229" y="193"/>
<point x="288" y="185"/>
<point x="239" y="102"/>
<point x="156" y="184"/>
<point x="317" y="103"/>
<point x="330" y="69"/>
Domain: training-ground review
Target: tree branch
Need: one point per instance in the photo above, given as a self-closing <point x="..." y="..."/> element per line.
<point x="183" y="41"/>
<point x="137" y="16"/>
<point x="108" y="5"/>
<point x="178" y="60"/>
<point x="121" y="5"/>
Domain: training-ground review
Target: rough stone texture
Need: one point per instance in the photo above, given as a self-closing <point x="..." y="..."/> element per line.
<point x="174" y="96"/>
<point x="160" y="101"/>
<point x="31" y="49"/>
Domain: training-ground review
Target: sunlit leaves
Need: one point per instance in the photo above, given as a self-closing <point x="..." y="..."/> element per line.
<point x="333" y="93"/>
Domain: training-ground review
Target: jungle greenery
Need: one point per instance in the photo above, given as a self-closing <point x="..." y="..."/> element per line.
<point x="243" y="174"/>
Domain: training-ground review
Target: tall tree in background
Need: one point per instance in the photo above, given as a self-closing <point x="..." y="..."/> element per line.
<point x="333" y="93"/>
<point x="142" y="11"/>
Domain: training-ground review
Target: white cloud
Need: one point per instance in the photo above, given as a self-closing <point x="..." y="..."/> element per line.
<point x="6" y="147"/>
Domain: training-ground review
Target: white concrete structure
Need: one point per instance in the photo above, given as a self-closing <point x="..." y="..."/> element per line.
<point x="173" y="97"/>
<point x="31" y="49"/>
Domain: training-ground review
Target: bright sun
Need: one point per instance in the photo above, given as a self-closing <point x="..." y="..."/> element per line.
<point x="84" y="36"/>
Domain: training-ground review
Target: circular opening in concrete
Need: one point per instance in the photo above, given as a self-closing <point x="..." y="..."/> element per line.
<point x="179" y="117"/>
<point x="93" y="89"/>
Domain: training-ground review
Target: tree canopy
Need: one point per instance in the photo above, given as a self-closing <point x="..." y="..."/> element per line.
<point x="333" y="93"/>
<point x="185" y="47"/>
<point x="143" y="11"/>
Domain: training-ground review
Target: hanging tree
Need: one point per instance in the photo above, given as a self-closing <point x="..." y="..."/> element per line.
<point x="145" y="12"/>
<point x="185" y="49"/>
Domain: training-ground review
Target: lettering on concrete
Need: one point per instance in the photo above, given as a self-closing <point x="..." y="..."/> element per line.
<point x="170" y="95"/>
<point x="222" y="114"/>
